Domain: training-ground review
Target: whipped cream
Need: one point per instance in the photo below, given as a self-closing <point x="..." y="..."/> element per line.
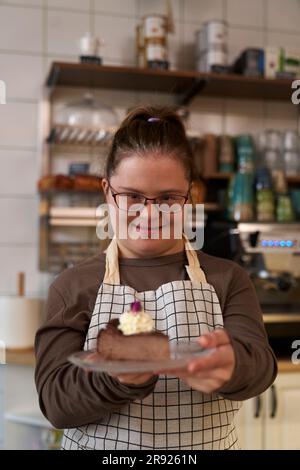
<point x="135" y="321"/>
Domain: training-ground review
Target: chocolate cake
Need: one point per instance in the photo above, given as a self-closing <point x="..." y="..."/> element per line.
<point x="113" y="344"/>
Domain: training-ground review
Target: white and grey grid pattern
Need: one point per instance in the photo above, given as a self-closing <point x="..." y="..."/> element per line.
<point x="174" y="416"/>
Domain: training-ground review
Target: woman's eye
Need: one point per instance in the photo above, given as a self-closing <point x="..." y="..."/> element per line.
<point x="133" y="196"/>
<point x="166" y="199"/>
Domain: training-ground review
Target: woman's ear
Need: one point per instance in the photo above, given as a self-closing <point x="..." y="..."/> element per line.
<point x="105" y="186"/>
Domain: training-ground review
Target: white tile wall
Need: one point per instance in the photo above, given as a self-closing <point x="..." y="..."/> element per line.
<point x="21" y="29"/>
<point x="146" y="7"/>
<point x="245" y="13"/>
<point x="64" y="29"/>
<point x="283" y="15"/>
<point x="196" y="11"/>
<point x="33" y="33"/>
<point x="243" y="118"/>
<point x="18" y="220"/>
<point x="280" y="115"/>
<point x="240" y="38"/>
<point x="123" y="8"/>
<point x="25" y="3"/>
<point x="285" y="39"/>
<point x="19" y="173"/>
<point x="121" y="44"/>
<point x="18" y="125"/>
<point x="20" y="85"/>
<point x="80" y="5"/>
<point x="16" y="258"/>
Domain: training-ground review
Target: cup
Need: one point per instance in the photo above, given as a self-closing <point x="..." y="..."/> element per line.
<point x="89" y="45"/>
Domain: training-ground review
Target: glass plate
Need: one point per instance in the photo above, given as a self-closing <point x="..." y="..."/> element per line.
<point x="181" y="354"/>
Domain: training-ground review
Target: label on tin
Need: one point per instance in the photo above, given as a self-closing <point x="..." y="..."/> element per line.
<point x="155" y="26"/>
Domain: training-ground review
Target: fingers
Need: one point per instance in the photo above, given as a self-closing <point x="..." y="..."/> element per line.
<point x="214" y="339"/>
<point x="223" y="356"/>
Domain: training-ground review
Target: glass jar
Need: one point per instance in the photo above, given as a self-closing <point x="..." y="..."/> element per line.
<point x="265" y="201"/>
<point x="226" y="154"/>
<point x="291" y="162"/>
<point x="242" y="197"/>
<point x="245" y="153"/>
<point x="284" y="210"/>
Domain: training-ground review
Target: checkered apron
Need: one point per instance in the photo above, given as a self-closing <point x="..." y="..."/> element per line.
<point x="174" y="416"/>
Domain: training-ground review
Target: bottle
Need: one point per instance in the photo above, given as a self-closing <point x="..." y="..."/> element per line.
<point x="242" y="198"/>
<point x="284" y="211"/>
<point x="265" y="201"/>
<point x="245" y="153"/>
<point x="291" y="156"/>
<point x="226" y="154"/>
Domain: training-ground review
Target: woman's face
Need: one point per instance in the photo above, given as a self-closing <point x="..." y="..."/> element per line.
<point x="152" y="176"/>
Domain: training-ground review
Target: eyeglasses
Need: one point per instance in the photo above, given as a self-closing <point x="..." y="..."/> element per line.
<point x="166" y="203"/>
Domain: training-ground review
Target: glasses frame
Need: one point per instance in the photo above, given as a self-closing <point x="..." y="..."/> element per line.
<point x="114" y="194"/>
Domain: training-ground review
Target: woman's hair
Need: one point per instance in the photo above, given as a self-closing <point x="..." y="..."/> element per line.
<point x="151" y="129"/>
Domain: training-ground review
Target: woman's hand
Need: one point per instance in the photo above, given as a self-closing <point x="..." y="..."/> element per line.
<point x="133" y="379"/>
<point x="209" y="373"/>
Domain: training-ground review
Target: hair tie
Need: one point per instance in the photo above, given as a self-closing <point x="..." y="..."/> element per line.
<point x="153" y="119"/>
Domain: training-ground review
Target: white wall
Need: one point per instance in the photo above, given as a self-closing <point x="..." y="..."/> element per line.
<point x="35" y="32"/>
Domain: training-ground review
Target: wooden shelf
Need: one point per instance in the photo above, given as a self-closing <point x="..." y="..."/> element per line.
<point x="185" y="84"/>
<point x="22" y="357"/>
<point x="286" y="365"/>
<point x="226" y="176"/>
<point x="54" y="192"/>
<point x="212" y="206"/>
<point x="293" y="179"/>
<point x="218" y="176"/>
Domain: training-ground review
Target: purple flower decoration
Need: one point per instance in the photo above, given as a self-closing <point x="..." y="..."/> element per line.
<point x="136" y="306"/>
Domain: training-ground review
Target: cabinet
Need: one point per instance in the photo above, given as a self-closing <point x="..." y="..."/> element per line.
<point x="272" y="420"/>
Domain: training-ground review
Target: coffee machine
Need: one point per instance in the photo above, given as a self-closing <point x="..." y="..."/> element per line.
<point x="270" y="253"/>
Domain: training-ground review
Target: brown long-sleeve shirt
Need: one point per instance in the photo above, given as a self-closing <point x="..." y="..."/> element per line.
<point x="70" y="397"/>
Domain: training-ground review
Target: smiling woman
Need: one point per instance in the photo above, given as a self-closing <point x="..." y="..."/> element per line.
<point x="189" y="295"/>
<point x="2" y="92"/>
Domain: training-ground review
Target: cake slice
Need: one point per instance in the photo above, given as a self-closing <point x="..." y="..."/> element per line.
<point x="133" y="338"/>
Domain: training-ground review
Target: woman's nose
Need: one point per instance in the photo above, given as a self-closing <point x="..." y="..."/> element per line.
<point x="150" y="211"/>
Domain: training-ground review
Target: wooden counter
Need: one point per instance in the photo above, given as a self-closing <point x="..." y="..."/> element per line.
<point x="286" y="365"/>
<point x="22" y="357"/>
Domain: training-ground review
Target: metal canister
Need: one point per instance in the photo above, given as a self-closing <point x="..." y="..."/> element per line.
<point x="156" y="54"/>
<point x="211" y="46"/>
<point x="215" y="33"/>
<point x="201" y="45"/>
<point x="140" y="46"/>
<point x="210" y="59"/>
<point x="155" y="27"/>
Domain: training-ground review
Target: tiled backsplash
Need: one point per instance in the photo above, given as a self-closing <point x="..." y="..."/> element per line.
<point x="33" y="33"/>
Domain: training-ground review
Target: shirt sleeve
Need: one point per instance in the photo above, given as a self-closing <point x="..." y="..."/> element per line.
<point x="255" y="363"/>
<point x="70" y="396"/>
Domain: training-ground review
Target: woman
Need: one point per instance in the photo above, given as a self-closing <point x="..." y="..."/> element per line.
<point x="194" y="296"/>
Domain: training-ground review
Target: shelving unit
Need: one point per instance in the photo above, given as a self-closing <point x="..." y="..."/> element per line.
<point x="183" y="86"/>
<point x="226" y="176"/>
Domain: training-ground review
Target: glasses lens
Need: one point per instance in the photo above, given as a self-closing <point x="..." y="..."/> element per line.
<point x="129" y="202"/>
<point x="171" y="203"/>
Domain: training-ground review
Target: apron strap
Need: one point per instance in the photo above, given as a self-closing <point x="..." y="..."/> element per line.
<point x="195" y="273"/>
<point x="112" y="273"/>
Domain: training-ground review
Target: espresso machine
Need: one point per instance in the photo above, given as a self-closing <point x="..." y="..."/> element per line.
<point x="270" y="253"/>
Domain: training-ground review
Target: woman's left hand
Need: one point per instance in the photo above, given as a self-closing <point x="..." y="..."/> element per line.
<point x="209" y="373"/>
